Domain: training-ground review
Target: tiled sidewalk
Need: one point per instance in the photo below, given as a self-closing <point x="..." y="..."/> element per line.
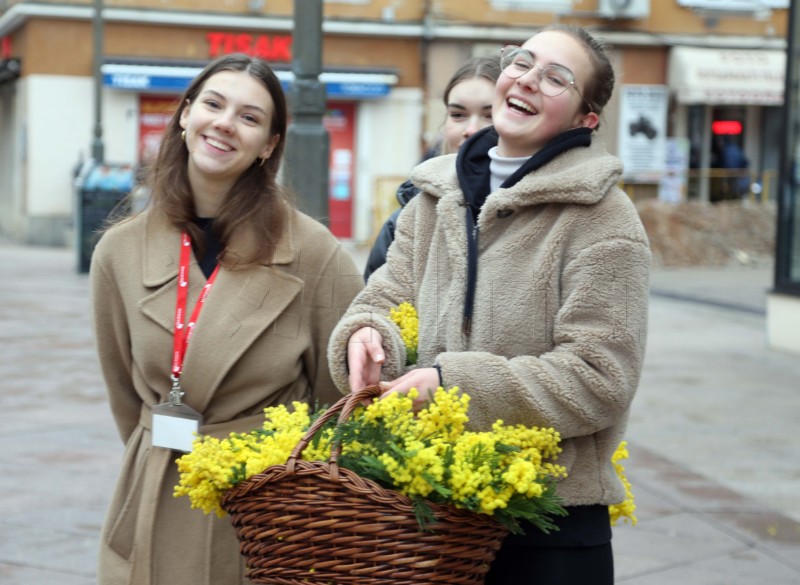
<point x="61" y="453"/>
<point x="694" y="531"/>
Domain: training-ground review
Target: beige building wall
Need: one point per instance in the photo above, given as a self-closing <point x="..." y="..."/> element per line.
<point x="666" y="17"/>
<point x="390" y="10"/>
<point x="423" y="40"/>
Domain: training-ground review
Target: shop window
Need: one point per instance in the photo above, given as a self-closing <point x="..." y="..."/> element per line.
<point x="696" y="123"/>
<point x="787" y="253"/>
<point x="788" y="244"/>
<point x="730" y="176"/>
<point x="792" y="235"/>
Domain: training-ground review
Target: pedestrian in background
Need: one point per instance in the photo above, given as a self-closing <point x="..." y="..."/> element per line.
<point x="468" y="99"/>
<point x="212" y="304"/>
<point x="528" y="267"/>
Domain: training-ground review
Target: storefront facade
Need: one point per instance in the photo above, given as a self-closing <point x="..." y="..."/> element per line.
<point x="727" y="103"/>
<point x="374" y="108"/>
<point x="386" y="66"/>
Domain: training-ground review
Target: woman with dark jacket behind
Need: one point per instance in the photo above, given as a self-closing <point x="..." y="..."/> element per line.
<point x="468" y="99"/>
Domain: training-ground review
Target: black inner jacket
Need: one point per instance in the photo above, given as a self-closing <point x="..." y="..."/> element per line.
<point x="472" y="166"/>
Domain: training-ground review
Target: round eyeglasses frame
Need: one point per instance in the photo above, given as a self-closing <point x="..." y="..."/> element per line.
<point x="512" y="70"/>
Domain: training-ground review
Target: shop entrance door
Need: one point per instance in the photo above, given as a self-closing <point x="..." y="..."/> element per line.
<point x="339" y="121"/>
<point x="730" y="178"/>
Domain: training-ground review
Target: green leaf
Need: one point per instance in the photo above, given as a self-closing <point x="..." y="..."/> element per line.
<point x="423" y="513"/>
<point x="238" y="473"/>
<point x="506" y="449"/>
<point x="438" y="487"/>
<point x="538" y="511"/>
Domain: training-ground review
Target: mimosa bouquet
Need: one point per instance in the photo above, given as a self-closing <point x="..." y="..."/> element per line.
<point x="507" y="473"/>
<point x="406" y="319"/>
<point x="379" y="494"/>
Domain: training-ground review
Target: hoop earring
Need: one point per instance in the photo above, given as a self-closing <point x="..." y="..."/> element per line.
<point x="183" y="135"/>
<point x="263" y="160"/>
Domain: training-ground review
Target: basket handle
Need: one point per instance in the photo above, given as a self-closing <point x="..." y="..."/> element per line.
<point x="345" y="407"/>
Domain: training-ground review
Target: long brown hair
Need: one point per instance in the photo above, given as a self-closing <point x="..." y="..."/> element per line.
<point x="255" y="200"/>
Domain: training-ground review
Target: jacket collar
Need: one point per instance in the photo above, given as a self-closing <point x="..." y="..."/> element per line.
<point x="162" y="243"/>
<point x="579" y="176"/>
<point x="242" y="305"/>
<point x="569" y="169"/>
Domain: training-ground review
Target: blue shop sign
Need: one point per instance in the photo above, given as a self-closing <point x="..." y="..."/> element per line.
<point x="344" y="85"/>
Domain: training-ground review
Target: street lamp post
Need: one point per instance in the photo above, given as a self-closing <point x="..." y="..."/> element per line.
<point x="97" y="144"/>
<point x="307" y="144"/>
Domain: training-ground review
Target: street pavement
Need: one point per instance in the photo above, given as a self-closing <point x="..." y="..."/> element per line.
<point x="713" y="434"/>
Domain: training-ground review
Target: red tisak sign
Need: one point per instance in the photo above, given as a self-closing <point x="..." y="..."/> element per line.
<point x="267" y="47"/>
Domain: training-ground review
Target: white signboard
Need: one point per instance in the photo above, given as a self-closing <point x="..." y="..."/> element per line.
<point x="642" y="131"/>
<point x="734" y="5"/>
<point x="707" y="76"/>
<point x="672" y="187"/>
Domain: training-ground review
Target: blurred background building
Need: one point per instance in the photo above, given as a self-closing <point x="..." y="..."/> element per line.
<point x="697" y="115"/>
<point x="697" y="78"/>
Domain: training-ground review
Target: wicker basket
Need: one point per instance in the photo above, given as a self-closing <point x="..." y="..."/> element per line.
<point x="314" y="523"/>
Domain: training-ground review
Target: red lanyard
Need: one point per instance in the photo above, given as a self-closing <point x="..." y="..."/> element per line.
<point x="183" y="330"/>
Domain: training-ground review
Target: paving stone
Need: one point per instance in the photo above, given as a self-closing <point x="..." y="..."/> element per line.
<point x="712" y="437"/>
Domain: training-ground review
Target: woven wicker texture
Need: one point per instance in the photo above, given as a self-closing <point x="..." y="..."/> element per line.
<point x="313" y="523"/>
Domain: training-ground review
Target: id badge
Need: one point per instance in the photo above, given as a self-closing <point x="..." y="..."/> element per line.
<point x="175" y="426"/>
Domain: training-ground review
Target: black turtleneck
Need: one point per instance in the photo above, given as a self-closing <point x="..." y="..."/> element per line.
<point x="213" y="246"/>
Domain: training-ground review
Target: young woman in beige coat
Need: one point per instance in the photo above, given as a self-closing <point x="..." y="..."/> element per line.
<point x="528" y="267"/>
<point x="279" y="281"/>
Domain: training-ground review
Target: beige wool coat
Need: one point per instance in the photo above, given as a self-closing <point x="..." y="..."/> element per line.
<point x="260" y="340"/>
<point x="560" y="314"/>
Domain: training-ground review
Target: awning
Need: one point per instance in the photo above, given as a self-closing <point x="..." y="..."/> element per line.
<point x="727" y="76"/>
<point x="339" y="84"/>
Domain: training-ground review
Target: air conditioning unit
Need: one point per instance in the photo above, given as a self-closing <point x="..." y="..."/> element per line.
<point x="624" y="8"/>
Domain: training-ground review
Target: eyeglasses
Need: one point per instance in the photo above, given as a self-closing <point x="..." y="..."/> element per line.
<point x="553" y="79"/>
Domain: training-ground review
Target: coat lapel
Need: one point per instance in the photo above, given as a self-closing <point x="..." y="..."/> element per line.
<point x="160" y="272"/>
<point x="242" y="305"/>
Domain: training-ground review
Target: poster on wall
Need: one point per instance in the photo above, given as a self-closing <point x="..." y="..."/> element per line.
<point x="672" y="187"/>
<point x="154" y="114"/>
<point x="339" y="121"/>
<point x="642" y="132"/>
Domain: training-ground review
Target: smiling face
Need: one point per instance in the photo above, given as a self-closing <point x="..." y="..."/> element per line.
<point x="524" y="118"/>
<point x="469" y="108"/>
<point x="227" y="129"/>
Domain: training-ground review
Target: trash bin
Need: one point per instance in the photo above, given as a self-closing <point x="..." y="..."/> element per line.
<point x="102" y="192"/>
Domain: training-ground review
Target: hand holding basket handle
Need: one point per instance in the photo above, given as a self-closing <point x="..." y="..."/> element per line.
<point x="315" y="523"/>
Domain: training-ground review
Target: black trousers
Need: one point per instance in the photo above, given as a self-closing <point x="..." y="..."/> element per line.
<point x="579" y="565"/>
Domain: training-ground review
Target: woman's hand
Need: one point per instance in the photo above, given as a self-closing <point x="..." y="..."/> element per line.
<point x="365" y="358"/>
<point x="425" y="380"/>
